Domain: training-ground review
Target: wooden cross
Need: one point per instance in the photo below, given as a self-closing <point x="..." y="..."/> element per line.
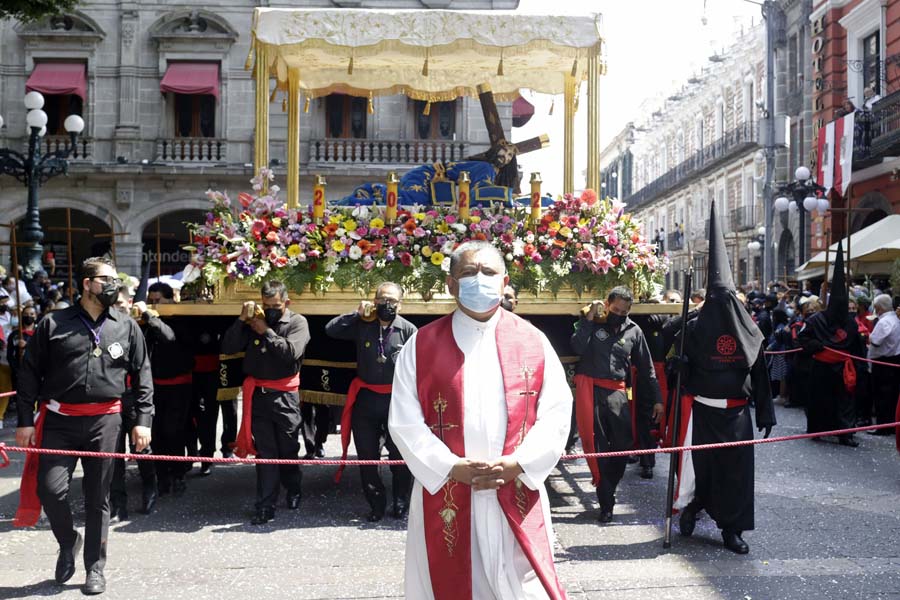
<point x="71" y="268"/>
<point x="440" y="405"/>
<point x="112" y="235"/>
<point x="158" y="236"/>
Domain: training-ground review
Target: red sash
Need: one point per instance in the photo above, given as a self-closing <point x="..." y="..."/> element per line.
<point x="584" y="414"/>
<point x="206" y="363"/>
<point x="448" y="513"/>
<point x="831" y="357"/>
<point x="243" y="445"/>
<point x="29" y="510"/>
<point x="346" y="416"/>
<point x="183" y="379"/>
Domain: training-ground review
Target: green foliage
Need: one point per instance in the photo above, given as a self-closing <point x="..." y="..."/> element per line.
<point x="33" y="10"/>
<point x="895" y="277"/>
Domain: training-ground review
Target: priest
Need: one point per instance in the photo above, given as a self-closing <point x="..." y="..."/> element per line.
<point x="831" y="337"/>
<point x="724" y="374"/>
<point x="480" y="412"/>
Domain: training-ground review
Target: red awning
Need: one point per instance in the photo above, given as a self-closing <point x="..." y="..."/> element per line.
<point x="191" y="78"/>
<point x="523" y="110"/>
<point x="58" y="78"/>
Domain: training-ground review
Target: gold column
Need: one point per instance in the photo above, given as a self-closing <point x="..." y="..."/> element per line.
<point x="569" y="90"/>
<point x="261" y="132"/>
<point x="535" y="197"/>
<point x="293" y="139"/>
<point x="594" y="70"/>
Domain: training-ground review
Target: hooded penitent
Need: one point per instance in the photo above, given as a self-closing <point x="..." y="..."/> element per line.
<point x="833" y="326"/>
<point x="724" y="337"/>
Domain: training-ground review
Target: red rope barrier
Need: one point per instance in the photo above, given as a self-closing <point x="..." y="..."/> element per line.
<point x="868" y="360"/>
<point x="5" y="394"/>
<point x="350" y="463"/>
<point x="774" y="352"/>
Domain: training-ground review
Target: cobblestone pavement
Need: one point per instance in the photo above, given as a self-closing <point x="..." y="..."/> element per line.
<point x="828" y="526"/>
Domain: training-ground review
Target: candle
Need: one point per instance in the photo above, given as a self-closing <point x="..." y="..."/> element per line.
<point x="319" y="198"/>
<point x="391" y="200"/>
<point x="535" y="197"/>
<point x="462" y="201"/>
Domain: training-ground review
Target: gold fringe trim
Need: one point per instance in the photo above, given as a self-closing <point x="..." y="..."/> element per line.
<point x="568" y="360"/>
<point x="227" y="394"/>
<point x="319" y="397"/>
<point x="284" y="104"/>
<point x="224" y="357"/>
<point x="427" y="110"/>
<point x="315" y="362"/>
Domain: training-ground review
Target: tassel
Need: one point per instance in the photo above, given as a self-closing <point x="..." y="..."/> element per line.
<point x="575" y="68"/>
<point x="249" y="62"/>
<point x="371" y="109"/>
<point x="284" y="104"/>
<point x="552" y="104"/>
<point x="350" y="66"/>
<point x="427" y="110"/>
<point x="500" y="67"/>
<point x="425" y="67"/>
<point x="272" y="95"/>
<point x="306" y="105"/>
<point x="575" y="107"/>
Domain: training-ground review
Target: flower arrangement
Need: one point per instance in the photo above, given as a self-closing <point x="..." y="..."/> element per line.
<point x="584" y="243"/>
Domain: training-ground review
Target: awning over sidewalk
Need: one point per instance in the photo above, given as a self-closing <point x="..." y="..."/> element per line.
<point x="58" y="78"/>
<point x="191" y="78"/>
<point x="871" y="250"/>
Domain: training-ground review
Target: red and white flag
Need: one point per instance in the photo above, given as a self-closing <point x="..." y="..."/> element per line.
<point x="835" y="163"/>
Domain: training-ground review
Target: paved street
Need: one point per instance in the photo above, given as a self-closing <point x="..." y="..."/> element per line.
<point x="828" y="524"/>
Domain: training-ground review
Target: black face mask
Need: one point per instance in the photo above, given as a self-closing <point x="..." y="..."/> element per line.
<point x="507" y="304"/>
<point x="615" y="321"/>
<point x="273" y="315"/>
<point x="386" y="312"/>
<point x="109" y="294"/>
<point x="27" y="320"/>
<point x="852" y="314"/>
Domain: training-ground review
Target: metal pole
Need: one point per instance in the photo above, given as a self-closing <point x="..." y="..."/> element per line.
<point x="769" y="9"/>
<point x="31" y="230"/>
<point x="69" y="258"/>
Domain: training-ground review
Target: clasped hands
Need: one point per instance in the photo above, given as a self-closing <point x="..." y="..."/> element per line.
<point x="251" y="315"/>
<point x="486" y="475"/>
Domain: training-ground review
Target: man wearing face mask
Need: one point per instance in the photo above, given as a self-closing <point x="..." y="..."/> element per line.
<point x="18" y="339"/>
<point x="480" y="412"/>
<point x="379" y="333"/>
<point x="609" y="346"/>
<point x="76" y="367"/>
<point x="273" y="346"/>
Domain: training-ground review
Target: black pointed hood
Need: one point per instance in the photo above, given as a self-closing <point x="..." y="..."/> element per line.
<point x="838" y="310"/>
<point x="833" y="327"/>
<point x="724" y="336"/>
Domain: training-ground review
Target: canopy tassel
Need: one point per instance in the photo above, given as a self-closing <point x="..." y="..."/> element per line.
<point x="427" y="110"/>
<point x="575" y="67"/>
<point x="371" y="108"/>
<point x="306" y="105"/>
<point x="500" y="65"/>
<point x="350" y="66"/>
<point x="284" y="103"/>
<point x="552" y="104"/>
<point x="249" y="62"/>
<point x="272" y="95"/>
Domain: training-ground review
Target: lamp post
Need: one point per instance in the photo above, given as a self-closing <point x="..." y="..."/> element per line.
<point x="805" y="196"/>
<point x="757" y="243"/>
<point x="34" y="169"/>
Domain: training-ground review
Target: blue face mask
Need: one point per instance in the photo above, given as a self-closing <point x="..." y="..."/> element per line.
<point x="790" y="313"/>
<point x="480" y="293"/>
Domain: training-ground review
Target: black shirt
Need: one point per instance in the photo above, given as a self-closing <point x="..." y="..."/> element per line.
<point x="169" y="346"/>
<point x="608" y="354"/>
<point x="59" y="363"/>
<point x="368" y="348"/>
<point x="276" y="354"/>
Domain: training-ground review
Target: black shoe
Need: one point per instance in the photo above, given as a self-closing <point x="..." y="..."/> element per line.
<point x="179" y="487"/>
<point x="848" y="441"/>
<point x="606" y="515"/>
<point x="734" y="542"/>
<point x="646" y="472"/>
<point x="263" y="516"/>
<point x="320" y="452"/>
<point x="227" y="454"/>
<point x="94" y="584"/>
<point x="863" y="422"/>
<point x="293" y="501"/>
<point x="375" y="515"/>
<point x="205" y="469"/>
<point x="149" y="502"/>
<point x="401" y="509"/>
<point x="687" y="521"/>
<point x="309" y="455"/>
<point x="633" y="459"/>
<point x="117" y="514"/>
<point x="65" y="564"/>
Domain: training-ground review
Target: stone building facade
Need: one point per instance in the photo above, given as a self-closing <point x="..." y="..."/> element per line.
<point x="146" y="156"/>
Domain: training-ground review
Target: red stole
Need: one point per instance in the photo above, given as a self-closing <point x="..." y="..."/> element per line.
<point x="243" y="445"/>
<point x="831" y="357"/>
<point x="447" y="514"/>
<point x="584" y="414"/>
<point x="29" y="510"/>
<point x="347" y="416"/>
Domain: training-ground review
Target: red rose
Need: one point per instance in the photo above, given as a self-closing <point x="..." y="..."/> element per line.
<point x="615" y="261"/>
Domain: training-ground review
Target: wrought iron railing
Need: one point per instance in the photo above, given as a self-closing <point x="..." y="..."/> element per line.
<point x="885" y="125"/>
<point x="675" y="241"/>
<point x="744" y="218"/>
<point x="366" y="151"/>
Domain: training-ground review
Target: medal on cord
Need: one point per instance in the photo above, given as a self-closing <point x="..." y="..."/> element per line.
<point x="383" y="334"/>
<point x="95" y="335"/>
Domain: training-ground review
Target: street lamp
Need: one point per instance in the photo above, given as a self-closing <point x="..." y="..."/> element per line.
<point x="34" y="170"/>
<point x="802" y="193"/>
<point x="757" y="243"/>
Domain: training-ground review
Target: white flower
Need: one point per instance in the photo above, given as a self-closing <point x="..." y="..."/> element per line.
<point x="459" y="227"/>
<point x="355" y="252"/>
<point x="417" y="247"/>
<point x="263" y="269"/>
<point x="360" y="212"/>
<point x="340" y="232"/>
<point x="509" y="256"/>
<point x="231" y="268"/>
<point x="190" y="273"/>
<point x="529" y="238"/>
<point x="445" y="264"/>
<point x="447" y="248"/>
<point x="518" y="248"/>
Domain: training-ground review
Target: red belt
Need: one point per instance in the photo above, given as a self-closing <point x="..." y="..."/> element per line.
<point x="355" y="385"/>
<point x="29" y="510"/>
<point x="206" y="363"/>
<point x="243" y="445"/>
<point x="184" y="379"/>
<point x="584" y="413"/>
<point x="831" y="357"/>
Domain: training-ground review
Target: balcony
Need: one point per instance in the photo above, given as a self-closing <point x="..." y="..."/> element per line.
<point x="191" y="150"/>
<point x="83" y="150"/>
<point x="885" y="131"/>
<point x="743" y="218"/>
<point x="364" y="152"/>
<point x="675" y="241"/>
<point x="733" y="143"/>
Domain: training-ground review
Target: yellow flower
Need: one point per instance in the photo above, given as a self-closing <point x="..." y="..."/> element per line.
<point x="419" y="216"/>
<point x="437" y="259"/>
<point x="349" y="224"/>
<point x="276" y="221"/>
<point x="565" y="232"/>
<point x="474" y="219"/>
<point x="442" y="228"/>
<point x="335" y="219"/>
<point x="554" y="226"/>
<point x="426" y="251"/>
<point x="376" y="223"/>
<point x="337" y="246"/>
<point x="293" y="250"/>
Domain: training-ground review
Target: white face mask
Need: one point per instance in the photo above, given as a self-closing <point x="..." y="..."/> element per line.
<point x="480" y="293"/>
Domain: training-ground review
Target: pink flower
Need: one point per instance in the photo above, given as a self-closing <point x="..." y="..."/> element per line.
<point x="555" y="253"/>
<point x="406" y="259"/>
<point x="536" y="258"/>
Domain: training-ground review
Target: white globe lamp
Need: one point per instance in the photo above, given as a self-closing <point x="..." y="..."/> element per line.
<point x="801" y="173"/>
<point x="34" y="100"/>
<point x="74" y="124"/>
<point x="36" y="118"/>
<point x="810" y="203"/>
<point x="823" y="205"/>
<point x="781" y="204"/>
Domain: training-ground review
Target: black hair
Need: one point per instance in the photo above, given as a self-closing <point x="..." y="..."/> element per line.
<point x="92" y="266"/>
<point x="273" y="288"/>
<point x="164" y="289"/>
<point x="385" y="284"/>
<point x="620" y="292"/>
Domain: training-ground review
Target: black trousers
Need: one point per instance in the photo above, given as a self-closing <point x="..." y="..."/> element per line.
<point x="830" y="405"/>
<point x="205" y="416"/>
<point x="370" y="435"/>
<point x="118" y="496"/>
<point x="612" y="433"/>
<point x="886" y="388"/>
<point x="94" y="434"/>
<point x="316" y="425"/>
<point x="276" y="430"/>
<point x="172" y="405"/>
<point x="644" y="424"/>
